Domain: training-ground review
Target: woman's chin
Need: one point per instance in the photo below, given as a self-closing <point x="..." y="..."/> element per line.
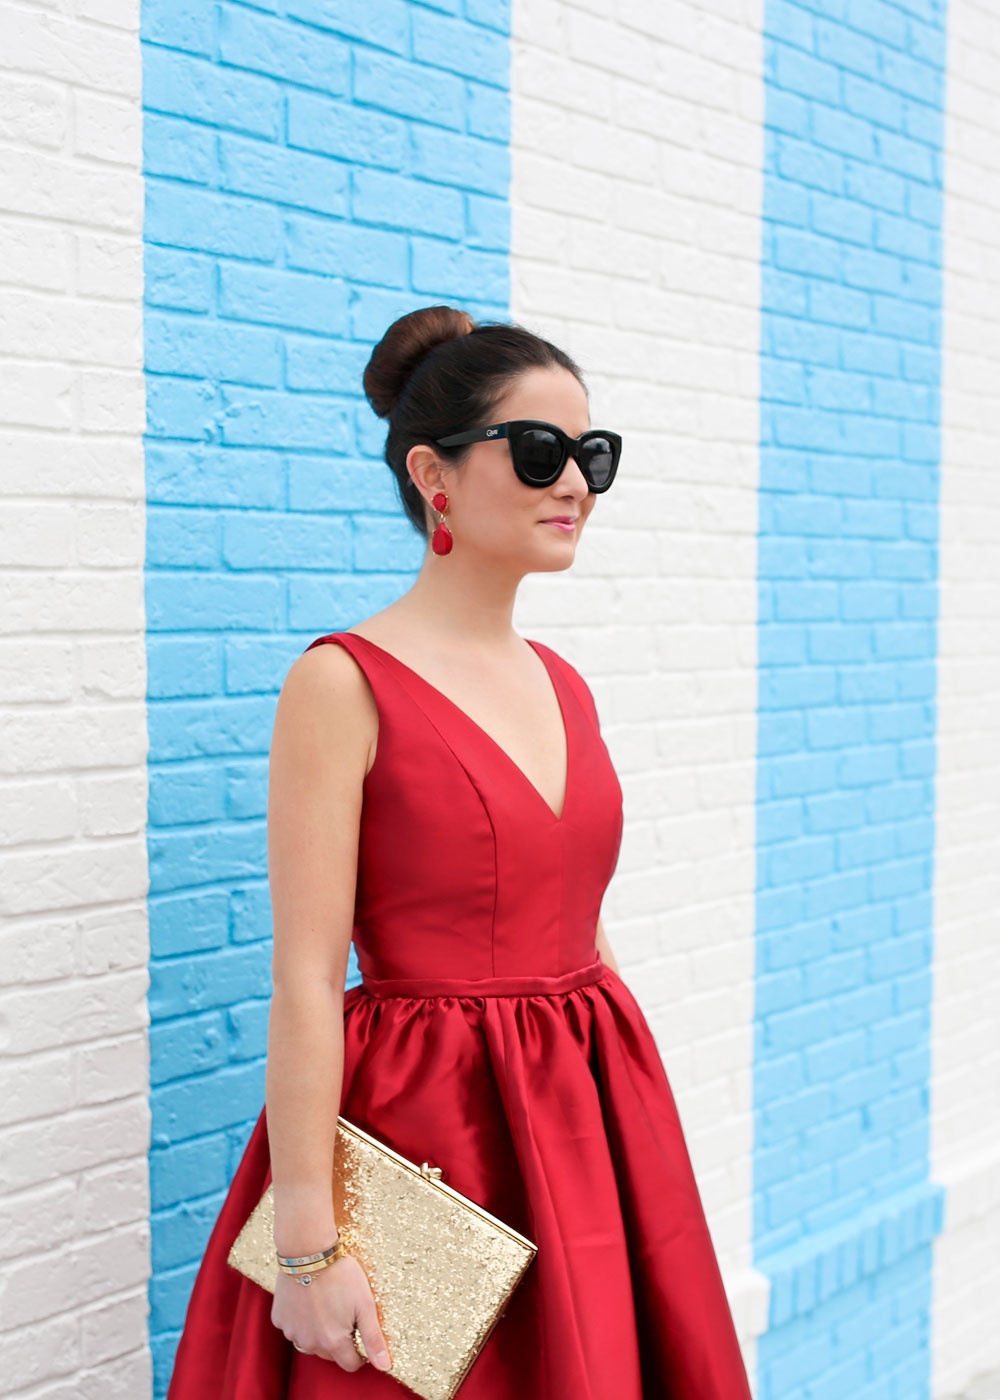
<point x="554" y="561"/>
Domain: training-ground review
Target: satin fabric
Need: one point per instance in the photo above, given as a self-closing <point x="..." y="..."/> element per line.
<point x="489" y="1038"/>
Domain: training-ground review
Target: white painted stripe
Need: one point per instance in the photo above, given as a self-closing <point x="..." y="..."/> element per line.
<point x="965" y="1091"/>
<point x="74" y="1131"/>
<point x="636" y="236"/>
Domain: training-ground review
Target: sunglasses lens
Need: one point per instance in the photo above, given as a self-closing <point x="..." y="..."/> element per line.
<point x="597" y="460"/>
<point x="539" y="454"/>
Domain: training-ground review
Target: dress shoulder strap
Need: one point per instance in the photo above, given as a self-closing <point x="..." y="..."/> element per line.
<point x="344" y="638"/>
<point x="576" y="683"/>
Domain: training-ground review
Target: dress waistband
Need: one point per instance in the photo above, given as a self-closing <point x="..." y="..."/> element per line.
<point x="532" y="985"/>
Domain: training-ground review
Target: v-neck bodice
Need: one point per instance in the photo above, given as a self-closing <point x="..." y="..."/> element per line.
<point x="463" y="867"/>
<point x="555" y="679"/>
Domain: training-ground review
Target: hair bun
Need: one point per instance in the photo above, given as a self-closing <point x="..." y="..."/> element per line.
<point x="404" y="345"/>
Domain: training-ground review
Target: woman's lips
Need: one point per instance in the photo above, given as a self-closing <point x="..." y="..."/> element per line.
<point x="567" y="526"/>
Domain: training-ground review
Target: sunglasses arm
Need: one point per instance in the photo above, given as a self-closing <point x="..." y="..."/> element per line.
<point x="473" y="435"/>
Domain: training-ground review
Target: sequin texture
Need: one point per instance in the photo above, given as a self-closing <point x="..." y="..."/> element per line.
<point x="441" y="1268"/>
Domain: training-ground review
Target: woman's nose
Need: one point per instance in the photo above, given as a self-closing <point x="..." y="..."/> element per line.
<point x="572" y="473"/>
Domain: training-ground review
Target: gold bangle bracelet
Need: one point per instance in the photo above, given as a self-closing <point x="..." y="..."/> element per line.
<point x="311" y="1258"/>
<point x="304" y="1274"/>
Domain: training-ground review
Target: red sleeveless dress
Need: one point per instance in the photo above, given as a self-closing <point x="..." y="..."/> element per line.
<point x="489" y="1038"/>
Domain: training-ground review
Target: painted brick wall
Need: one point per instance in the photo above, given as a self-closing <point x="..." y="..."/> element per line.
<point x="74" y="1123"/>
<point x="845" y="1211"/>
<point x="965" y="1086"/>
<point x="313" y="171"/>
<point x="636" y="190"/>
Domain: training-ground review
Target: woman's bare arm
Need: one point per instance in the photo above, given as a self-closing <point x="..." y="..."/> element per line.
<point x="324" y="731"/>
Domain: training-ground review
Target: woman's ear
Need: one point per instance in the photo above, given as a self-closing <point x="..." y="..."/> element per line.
<point x="426" y="473"/>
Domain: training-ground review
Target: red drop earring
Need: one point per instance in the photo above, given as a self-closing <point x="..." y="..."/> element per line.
<point x="441" y="540"/>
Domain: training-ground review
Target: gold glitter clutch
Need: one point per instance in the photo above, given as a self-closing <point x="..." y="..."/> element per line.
<point x="441" y="1268"/>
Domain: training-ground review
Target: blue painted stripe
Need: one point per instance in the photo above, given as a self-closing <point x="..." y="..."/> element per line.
<point x="313" y="171"/>
<point x="844" y="1210"/>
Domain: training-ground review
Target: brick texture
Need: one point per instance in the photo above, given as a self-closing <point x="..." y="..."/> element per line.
<point x="965" y="1084"/>
<point x="74" y="1126"/>
<point x="310" y="175"/>
<point x="635" y="207"/>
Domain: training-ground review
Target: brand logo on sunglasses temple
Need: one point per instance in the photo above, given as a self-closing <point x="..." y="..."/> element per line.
<point x="492" y="432"/>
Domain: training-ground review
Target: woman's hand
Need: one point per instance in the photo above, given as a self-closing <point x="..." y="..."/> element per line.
<point x="320" y="1319"/>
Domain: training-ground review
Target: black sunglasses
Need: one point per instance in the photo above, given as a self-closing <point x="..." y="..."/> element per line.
<point x="540" y="450"/>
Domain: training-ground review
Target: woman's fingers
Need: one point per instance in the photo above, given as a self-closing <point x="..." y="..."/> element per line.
<point x="371" y="1333"/>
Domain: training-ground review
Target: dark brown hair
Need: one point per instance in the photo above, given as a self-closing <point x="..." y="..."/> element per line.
<point x="437" y="371"/>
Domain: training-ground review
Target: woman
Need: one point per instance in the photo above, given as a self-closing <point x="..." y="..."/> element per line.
<point x="440" y="790"/>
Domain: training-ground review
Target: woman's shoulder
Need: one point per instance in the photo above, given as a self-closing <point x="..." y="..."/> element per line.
<point x="328" y="655"/>
<point x="326" y="683"/>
